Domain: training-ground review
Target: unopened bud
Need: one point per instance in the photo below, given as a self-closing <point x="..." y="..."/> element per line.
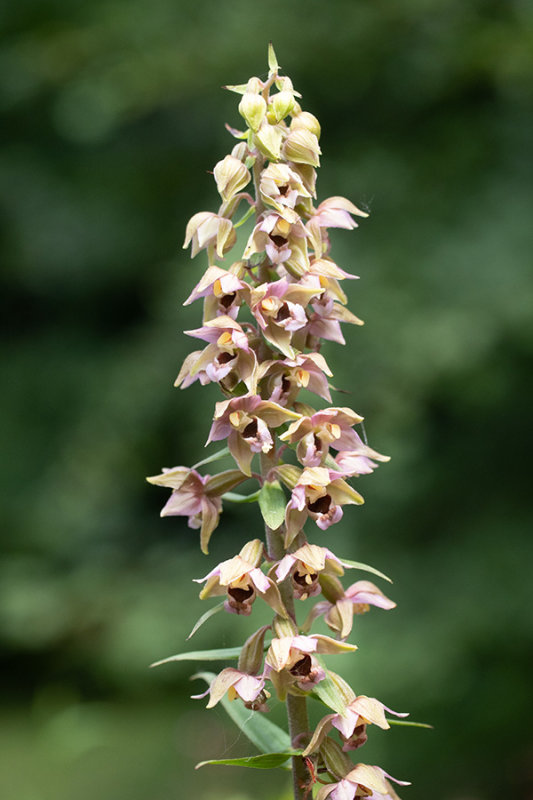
<point x="282" y="104"/>
<point x="231" y="176"/>
<point x="336" y="762"/>
<point x="253" y="109"/>
<point x="301" y="146"/>
<point x="332" y="588"/>
<point x="306" y="121"/>
<point x="240" y="151"/>
<point x="252" y="552"/>
<point x="268" y="140"/>
<point x="283" y="627"/>
<point x="251" y="656"/>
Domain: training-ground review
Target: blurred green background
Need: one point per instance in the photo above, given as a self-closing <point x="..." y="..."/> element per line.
<point x="112" y="117"/>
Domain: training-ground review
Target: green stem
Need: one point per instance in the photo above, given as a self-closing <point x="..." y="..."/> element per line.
<point x="296" y="705"/>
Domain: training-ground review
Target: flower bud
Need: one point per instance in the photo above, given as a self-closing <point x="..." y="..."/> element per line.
<point x="251" y="656"/>
<point x="240" y="151"/>
<point x="332" y="588"/>
<point x="302" y="147"/>
<point x="253" y="109"/>
<point x="336" y="762"/>
<point x="306" y="121"/>
<point x="268" y="140"/>
<point x="282" y="104"/>
<point x="231" y="176"/>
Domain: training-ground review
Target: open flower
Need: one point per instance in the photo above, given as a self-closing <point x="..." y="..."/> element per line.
<point x="341" y="605"/>
<point x="360" y="460"/>
<point x="246" y="422"/>
<point x="305" y="565"/>
<point x="331" y="427"/>
<point x="324" y="321"/>
<point x="222" y="290"/>
<point x="240" y="579"/>
<point x="362" y="781"/>
<point x="197" y="497"/>
<point x="235" y="683"/>
<point x="228" y="357"/>
<point x="282" y="189"/>
<point x="318" y="494"/>
<point x="351" y="724"/>
<point x="284" y="378"/>
<point x="279" y="308"/>
<point x="290" y="660"/>
<point x="277" y="237"/>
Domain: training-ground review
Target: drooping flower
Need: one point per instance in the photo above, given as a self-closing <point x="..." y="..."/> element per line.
<point x="236" y="683"/>
<point x="318" y="494"/>
<point x="315" y="434"/>
<point x="227" y="358"/>
<point x="290" y="660"/>
<point x="279" y="239"/>
<point x="362" y="781"/>
<point x="324" y="322"/>
<point x="282" y="189"/>
<point x="222" y="289"/>
<point x="339" y="609"/>
<point x="360" y="460"/>
<point x="246" y="422"/>
<point x="351" y="724"/>
<point x="284" y="378"/>
<point x="306" y="564"/>
<point x="196" y="496"/>
<point x="205" y="229"/>
<point x="240" y="579"/>
<point x="279" y="308"/>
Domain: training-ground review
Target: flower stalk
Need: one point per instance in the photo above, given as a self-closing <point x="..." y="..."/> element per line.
<point x="265" y="315"/>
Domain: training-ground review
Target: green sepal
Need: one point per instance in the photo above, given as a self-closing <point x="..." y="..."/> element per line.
<point x="365" y="568"/>
<point x="272" y="502"/>
<point x="265" y="761"/>
<point x="205" y="617"/>
<point x="329" y="693"/>
<point x="408" y="724"/>
<point x="263" y="733"/>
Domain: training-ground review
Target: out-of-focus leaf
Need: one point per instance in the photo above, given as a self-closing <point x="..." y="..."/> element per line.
<point x="263" y="733"/>
<point x="205" y="617"/>
<point x="265" y="761"/>
<point x="219" y="654"/>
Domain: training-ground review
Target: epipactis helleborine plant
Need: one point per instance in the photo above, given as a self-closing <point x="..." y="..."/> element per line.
<point x="264" y="316"/>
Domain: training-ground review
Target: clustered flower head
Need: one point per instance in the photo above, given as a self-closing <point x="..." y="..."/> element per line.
<point x="269" y="301"/>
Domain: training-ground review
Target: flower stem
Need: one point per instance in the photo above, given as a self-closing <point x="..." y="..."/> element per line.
<point x="296" y="705"/>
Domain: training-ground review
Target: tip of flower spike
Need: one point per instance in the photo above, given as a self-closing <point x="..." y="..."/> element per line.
<point x="272" y="60"/>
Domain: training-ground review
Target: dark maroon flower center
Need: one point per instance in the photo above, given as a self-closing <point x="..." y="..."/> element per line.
<point x="250" y="432"/>
<point x="278" y="240"/>
<point x="227" y="300"/>
<point x="320" y="506"/>
<point x="240" y="595"/>
<point x="225" y="358"/>
<point x="302" y="667"/>
<point x="301" y="579"/>
<point x="283" y="313"/>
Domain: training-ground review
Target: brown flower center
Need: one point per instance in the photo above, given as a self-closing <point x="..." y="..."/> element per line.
<point x="321" y="505"/>
<point x="283" y="313"/>
<point x="302" y="667"/>
<point x="250" y="432"/>
<point x="240" y="595"/>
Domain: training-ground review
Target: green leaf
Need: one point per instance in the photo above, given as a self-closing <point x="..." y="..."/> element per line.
<point x="265" y="761"/>
<point x="365" y="568"/>
<point x="233" y="497"/>
<point x="272" y="502"/>
<point x="408" y="723"/>
<point x="205" y="617"/>
<point x="328" y="692"/>
<point x="263" y="733"/>
<point x="214" y="457"/>
<point x="220" y="654"/>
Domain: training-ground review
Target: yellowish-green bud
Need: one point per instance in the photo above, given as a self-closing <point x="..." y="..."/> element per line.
<point x="254" y="85"/>
<point x="282" y="104"/>
<point x="301" y="146"/>
<point x="253" y="109"/>
<point x="240" y="151"/>
<point x="306" y="121"/>
<point x="336" y="762"/>
<point x="283" y="627"/>
<point x="268" y="139"/>
<point x="231" y="176"/>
